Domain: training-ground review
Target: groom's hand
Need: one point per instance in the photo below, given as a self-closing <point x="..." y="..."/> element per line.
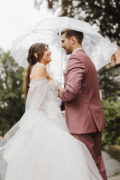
<point x="60" y="92"/>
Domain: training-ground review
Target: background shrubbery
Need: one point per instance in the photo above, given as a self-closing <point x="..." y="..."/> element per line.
<point x="111" y="134"/>
<point x="11" y="95"/>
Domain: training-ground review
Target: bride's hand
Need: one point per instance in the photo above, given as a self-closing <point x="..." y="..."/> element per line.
<point x="60" y="92"/>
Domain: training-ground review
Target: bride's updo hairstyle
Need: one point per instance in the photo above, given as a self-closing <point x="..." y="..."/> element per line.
<point x="37" y="48"/>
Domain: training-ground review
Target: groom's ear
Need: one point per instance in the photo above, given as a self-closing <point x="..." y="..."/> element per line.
<point x="74" y="40"/>
<point x="36" y="55"/>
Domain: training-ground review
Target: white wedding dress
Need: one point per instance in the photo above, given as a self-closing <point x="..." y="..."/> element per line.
<point x="40" y="147"/>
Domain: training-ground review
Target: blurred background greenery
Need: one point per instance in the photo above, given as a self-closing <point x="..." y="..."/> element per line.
<point x="11" y="95"/>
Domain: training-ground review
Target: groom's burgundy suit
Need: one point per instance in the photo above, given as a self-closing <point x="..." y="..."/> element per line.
<point x="84" y="112"/>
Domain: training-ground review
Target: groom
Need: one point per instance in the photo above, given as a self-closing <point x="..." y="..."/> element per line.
<point x="84" y="112"/>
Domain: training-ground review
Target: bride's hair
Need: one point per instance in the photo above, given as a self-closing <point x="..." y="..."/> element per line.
<point x="39" y="49"/>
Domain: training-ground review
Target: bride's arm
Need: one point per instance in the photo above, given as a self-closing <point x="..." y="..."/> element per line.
<point x="37" y="94"/>
<point x="38" y="89"/>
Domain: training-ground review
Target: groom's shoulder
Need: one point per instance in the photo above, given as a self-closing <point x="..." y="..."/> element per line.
<point x="78" y="56"/>
<point x="75" y="61"/>
<point x="84" y="57"/>
<point x="88" y="63"/>
<point x="81" y="53"/>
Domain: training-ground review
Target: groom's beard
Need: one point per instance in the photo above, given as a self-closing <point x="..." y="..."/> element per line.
<point x="68" y="50"/>
<point x="69" y="53"/>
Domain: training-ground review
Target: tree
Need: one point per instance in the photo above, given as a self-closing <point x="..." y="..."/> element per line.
<point x="11" y="96"/>
<point x="108" y="82"/>
<point x="103" y="13"/>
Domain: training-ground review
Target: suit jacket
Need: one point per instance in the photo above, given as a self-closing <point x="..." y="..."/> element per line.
<point x="84" y="111"/>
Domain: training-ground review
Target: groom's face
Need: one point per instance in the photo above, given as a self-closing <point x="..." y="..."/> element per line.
<point x="66" y="44"/>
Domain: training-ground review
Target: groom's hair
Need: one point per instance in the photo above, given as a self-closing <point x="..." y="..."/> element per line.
<point x="69" y="33"/>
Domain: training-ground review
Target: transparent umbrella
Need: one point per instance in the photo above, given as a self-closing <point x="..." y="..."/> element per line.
<point x="48" y="31"/>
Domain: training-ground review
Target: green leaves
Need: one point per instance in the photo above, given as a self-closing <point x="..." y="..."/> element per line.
<point x="103" y="13"/>
<point x="111" y="134"/>
<point x="11" y="95"/>
<point x="108" y="82"/>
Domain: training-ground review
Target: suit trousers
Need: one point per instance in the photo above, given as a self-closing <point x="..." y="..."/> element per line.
<point x="93" y="143"/>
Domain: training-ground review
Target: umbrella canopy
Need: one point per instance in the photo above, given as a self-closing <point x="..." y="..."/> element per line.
<point x="48" y="31"/>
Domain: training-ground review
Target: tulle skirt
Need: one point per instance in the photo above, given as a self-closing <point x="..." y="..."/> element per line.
<point x="36" y="148"/>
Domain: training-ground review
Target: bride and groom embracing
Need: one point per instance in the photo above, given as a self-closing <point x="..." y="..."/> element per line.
<point x="44" y="146"/>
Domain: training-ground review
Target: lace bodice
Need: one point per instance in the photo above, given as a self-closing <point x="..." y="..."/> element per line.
<point x="42" y="95"/>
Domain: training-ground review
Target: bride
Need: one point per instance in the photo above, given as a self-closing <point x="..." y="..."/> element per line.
<point x="39" y="146"/>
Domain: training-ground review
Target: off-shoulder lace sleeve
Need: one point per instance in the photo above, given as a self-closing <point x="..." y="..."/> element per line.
<point x="36" y="94"/>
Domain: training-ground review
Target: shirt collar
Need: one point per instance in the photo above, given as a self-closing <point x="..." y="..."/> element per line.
<point x="76" y="50"/>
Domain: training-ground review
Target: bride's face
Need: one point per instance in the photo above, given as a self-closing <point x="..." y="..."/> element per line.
<point x="46" y="58"/>
<point x="66" y="44"/>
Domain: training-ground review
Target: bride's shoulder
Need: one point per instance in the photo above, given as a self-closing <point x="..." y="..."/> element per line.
<point x="38" y="70"/>
<point x="39" y="67"/>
